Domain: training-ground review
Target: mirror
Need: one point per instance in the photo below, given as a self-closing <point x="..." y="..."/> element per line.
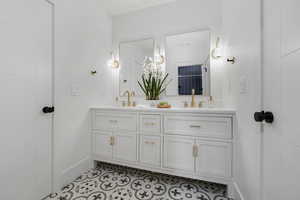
<point x="188" y="63"/>
<point x="132" y="56"/>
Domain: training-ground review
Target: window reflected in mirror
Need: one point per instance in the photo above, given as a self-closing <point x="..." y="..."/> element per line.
<point x="188" y="63"/>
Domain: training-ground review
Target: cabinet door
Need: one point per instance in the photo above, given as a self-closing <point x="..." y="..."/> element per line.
<point x="178" y="153"/>
<point x="150" y="150"/>
<point x="214" y="159"/>
<point x="102" y="144"/>
<point x="125" y="147"/>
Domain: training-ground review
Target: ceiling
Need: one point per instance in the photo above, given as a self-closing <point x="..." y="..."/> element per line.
<point x="118" y="7"/>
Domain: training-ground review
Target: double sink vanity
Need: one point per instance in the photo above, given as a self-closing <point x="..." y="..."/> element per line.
<point x="196" y="141"/>
<point x="189" y="142"/>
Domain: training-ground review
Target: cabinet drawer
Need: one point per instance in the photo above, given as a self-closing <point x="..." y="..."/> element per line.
<point x="214" y="159"/>
<point x="110" y="121"/>
<point x="150" y="124"/>
<point x="150" y="150"/>
<point x="214" y="127"/>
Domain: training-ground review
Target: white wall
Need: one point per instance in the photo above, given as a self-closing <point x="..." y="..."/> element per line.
<point x="173" y="18"/>
<point x="83" y="40"/>
<point x="242" y="37"/>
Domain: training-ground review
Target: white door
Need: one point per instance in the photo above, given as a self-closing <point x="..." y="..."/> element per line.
<point x="26" y="87"/>
<point x="213" y="159"/>
<point x="103" y="144"/>
<point x="281" y="140"/>
<point x="178" y="153"/>
<point x="125" y="147"/>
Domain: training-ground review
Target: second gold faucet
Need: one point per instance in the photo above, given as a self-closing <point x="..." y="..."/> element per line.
<point x="129" y="95"/>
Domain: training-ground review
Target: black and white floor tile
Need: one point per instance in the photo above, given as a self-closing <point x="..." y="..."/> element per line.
<point x="111" y="182"/>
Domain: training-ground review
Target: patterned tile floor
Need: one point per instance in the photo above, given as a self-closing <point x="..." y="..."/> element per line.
<point x="111" y="182"/>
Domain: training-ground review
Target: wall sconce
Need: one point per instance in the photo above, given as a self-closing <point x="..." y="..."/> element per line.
<point x="113" y="63"/>
<point x="216" y="53"/>
<point x="159" y="57"/>
<point x="231" y="60"/>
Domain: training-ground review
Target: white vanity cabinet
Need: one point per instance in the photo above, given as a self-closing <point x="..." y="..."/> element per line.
<point x="193" y="143"/>
<point x="114" y="136"/>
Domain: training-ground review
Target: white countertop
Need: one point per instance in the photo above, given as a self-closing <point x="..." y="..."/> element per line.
<point x="175" y="109"/>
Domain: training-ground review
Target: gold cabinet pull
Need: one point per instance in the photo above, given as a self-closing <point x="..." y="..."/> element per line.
<point x="195" y="126"/>
<point x="112" y="141"/>
<point x="148" y="142"/>
<point x="149" y="124"/>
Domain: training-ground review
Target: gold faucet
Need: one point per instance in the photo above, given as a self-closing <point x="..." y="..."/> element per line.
<point x="193" y="103"/>
<point x="129" y="95"/>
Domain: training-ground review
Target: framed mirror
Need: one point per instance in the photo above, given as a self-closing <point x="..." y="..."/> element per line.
<point x="132" y="55"/>
<point x="188" y="63"/>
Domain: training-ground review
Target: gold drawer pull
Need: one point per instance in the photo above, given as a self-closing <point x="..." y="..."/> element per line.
<point x="112" y="141"/>
<point x="195" y="126"/>
<point x="148" y="142"/>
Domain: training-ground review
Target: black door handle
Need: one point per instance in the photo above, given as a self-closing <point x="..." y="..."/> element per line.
<point x="264" y="116"/>
<point x="48" y="109"/>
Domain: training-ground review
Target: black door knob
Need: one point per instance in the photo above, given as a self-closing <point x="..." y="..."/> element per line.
<point x="268" y="117"/>
<point x="48" y="109"/>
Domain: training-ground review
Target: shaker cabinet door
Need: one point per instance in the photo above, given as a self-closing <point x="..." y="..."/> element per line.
<point x="178" y="153"/>
<point x="214" y="159"/>
<point x="125" y="147"/>
<point x="102" y="144"/>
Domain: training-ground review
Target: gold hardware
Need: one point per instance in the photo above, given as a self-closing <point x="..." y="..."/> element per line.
<point x="193" y="103"/>
<point x="129" y="95"/>
<point x="195" y="150"/>
<point x="111" y="140"/>
<point x="195" y="126"/>
<point x="147" y="142"/>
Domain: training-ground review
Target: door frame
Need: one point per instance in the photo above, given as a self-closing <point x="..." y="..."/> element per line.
<point x="51" y="3"/>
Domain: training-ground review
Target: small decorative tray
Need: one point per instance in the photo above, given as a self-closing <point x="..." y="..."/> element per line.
<point x="164" y="106"/>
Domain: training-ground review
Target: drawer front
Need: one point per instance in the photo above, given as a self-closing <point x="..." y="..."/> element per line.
<point x="150" y="124"/>
<point x="109" y="121"/>
<point x="213" y="127"/>
<point x="214" y="159"/>
<point x="150" y="150"/>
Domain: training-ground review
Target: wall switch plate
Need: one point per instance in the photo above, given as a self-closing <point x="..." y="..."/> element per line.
<point x="243" y="85"/>
<point x="75" y="90"/>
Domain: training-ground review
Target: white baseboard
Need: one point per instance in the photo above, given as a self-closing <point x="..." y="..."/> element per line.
<point x="71" y="173"/>
<point x="237" y="192"/>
